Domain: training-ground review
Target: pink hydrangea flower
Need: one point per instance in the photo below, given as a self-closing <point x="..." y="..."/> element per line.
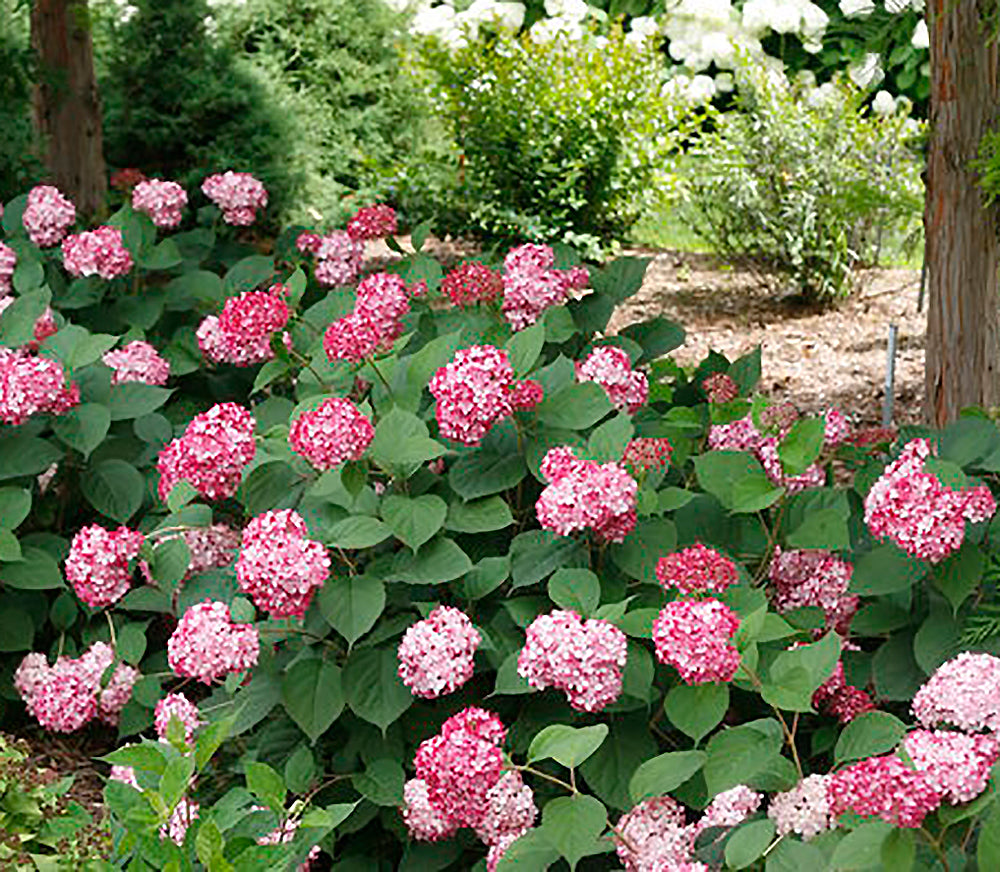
<point x="162" y="201"/>
<point x="584" y="659"/>
<point x="956" y="765"/>
<point x="525" y="395"/>
<point x="98" y="565"/>
<point x="238" y="195"/>
<point x="436" y="655"/>
<point x="836" y="430"/>
<point x="813" y="578"/>
<point x="529" y="258"/>
<point x="308" y="242"/>
<point x="211" y="454"/>
<point x="720" y="388"/>
<point x="219" y="346"/>
<point x="913" y="509"/>
<point x="730" y="808"/>
<point x="964" y="692"/>
<point x="841" y="700"/>
<point x="332" y="433"/>
<point x="176" y="705"/>
<point x="99" y="252"/>
<point x="510" y="811"/>
<point x="805" y="809"/>
<point x="8" y="262"/>
<point x="694" y="637"/>
<point x="137" y="362"/>
<point x="279" y="566"/>
<point x="530" y="285"/>
<point x="207" y="644"/>
<point x="698" y="569"/>
<point x="338" y="259"/>
<point x="211" y="547"/>
<point x="656" y="837"/>
<point x="611" y="368"/>
<point x="646" y="454"/>
<point x="47" y="216"/>
<point x="372" y="222"/>
<point x="243" y="331"/>
<point x="582" y="494"/>
<point x="32" y="385"/>
<point x="886" y="788"/>
<point x="424" y="820"/>
<point x="472" y="282"/>
<point x="375" y="323"/>
<point x="472" y="393"/>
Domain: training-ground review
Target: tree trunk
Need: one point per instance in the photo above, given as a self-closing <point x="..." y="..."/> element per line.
<point x="963" y="252"/>
<point x="66" y="102"/>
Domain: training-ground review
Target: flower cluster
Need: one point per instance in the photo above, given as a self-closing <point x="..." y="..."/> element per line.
<point x="126" y="178"/>
<point x="8" y="262"/>
<point x="582" y="494"/>
<point x="964" y="692"/>
<point x="646" y="454"/>
<point x="375" y="323"/>
<point x="242" y="333"/>
<point x="211" y="453"/>
<point x="279" y="566"/>
<point x="211" y="547"/>
<point x="372" y="222"/>
<point x="841" y="700"/>
<point x="730" y="808"/>
<point x="584" y="659"/>
<point x="525" y="395"/>
<point x="720" y="388"/>
<point x="32" y="385"/>
<point x="472" y="282"/>
<point x="162" y="201"/>
<point x="176" y="705"/>
<point x="208" y="644"/>
<point x="611" y="368"/>
<point x="98" y="565"/>
<point x="956" y="765"/>
<point x="100" y="252"/>
<point x="472" y="393"/>
<point x="813" y="578"/>
<point x="805" y="809"/>
<point x="66" y="696"/>
<point x="886" y="788"/>
<point x="436" y="655"/>
<point x="915" y="510"/>
<point x="332" y="433"/>
<point x="531" y="285"/>
<point x="338" y="258"/>
<point x="836" y="430"/>
<point x="694" y="637"/>
<point x="47" y="216"/>
<point x="655" y="836"/>
<point x="238" y="195"/>
<point x="698" y="569"/>
<point x="137" y="362"/>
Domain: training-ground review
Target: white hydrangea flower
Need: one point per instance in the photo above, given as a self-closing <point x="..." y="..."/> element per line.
<point x="856" y="8"/>
<point x="866" y="72"/>
<point x="571" y="9"/>
<point x="921" y="36"/>
<point x="884" y="104"/>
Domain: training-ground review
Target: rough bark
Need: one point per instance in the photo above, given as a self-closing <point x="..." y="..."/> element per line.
<point x="67" y="105"/>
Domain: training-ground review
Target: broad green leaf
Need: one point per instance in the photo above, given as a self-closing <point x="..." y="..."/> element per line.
<point x="24" y="455"/>
<point x="133" y="400"/>
<point x="17" y="321"/>
<point x="401" y="440"/>
<point x="312" y="694"/>
<point x="36" y="570"/>
<point x="578" y="590"/>
<point x="609" y="771"/>
<point x="17" y="630"/>
<point x="745" y="371"/>
<point x="372" y="686"/>
<point x="84" y="427"/>
<point x="898" y="851"/>
<point x="817" y="518"/>
<point x="148" y="757"/>
<point x="737" y="754"/>
<point x="479" y="516"/>
<point x="568" y="746"/>
<point x="115" y="488"/>
<point x="77" y="347"/>
<point x="895" y="670"/>
<point x="15" y="504"/>
<point x="664" y="773"/>
<point x="958" y="575"/>
<point x="697" y="709"/>
<point x="266" y="784"/>
<point x="537" y="554"/>
<point x="861" y="848"/>
<point x="300" y="770"/>
<point x="621" y="278"/>
<point x="657" y="336"/>
<point x="793" y="856"/>
<point x="988" y="846"/>
<point x="573" y="824"/>
<point x="357" y="531"/>
<point x="131" y="645"/>
<point x="802" y="445"/>
<point x="381" y="782"/>
<point x="737" y="480"/>
<point x="885" y="569"/>
<point x="164" y="255"/>
<point x="869" y="735"/>
<point x="509" y="682"/>
<point x="608" y="442"/>
<point x="272" y="485"/>
<point x="524" y="347"/>
<point x="532" y="852"/>
<point x="485" y="577"/>
<point x="209" y="843"/>
<point x="642" y="549"/>
<point x="176" y="779"/>
<point x="437" y="561"/>
<point x="748" y="842"/>
<point x="414" y="520"/>
<point x="10" y="547"/>
<point x="351" y="605"/>
<point x="575" y="407"/>
<point x="247" y="274"/>
<point x="794" y="676"/>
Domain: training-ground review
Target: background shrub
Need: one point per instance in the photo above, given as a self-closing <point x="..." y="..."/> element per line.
<point x="18" y="165"/>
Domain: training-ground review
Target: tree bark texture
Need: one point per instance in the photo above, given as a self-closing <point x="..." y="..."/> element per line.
<point x="67" y="105"/>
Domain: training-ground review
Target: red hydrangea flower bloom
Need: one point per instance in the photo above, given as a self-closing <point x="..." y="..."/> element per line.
<point x="126" y="178"/>
<point x="162" y="201"/>
<point x="308" y="242"/>
<point x="47" y="216"/>
<point x="99" y="252"/>
<point x="211" y="547"/>
<point x="956" y="765"/>
<point x="424" y="820"/>
<point x="720" y="388"/>
<point x="8" y="262"/>
<point x="841" y="700"/>
<point x="472" y="393"/>
<point x="656" y="837"/>
<point x="375" y="323"/>
<point x="137" y="362"/>
<point x="338" y="258"/>
<point x="372" y="222"/>
<point x="176" y="705"/>
<point x="805" y="809"/>
<point x="32" y="385"/>
<point x="254" y="314"/>
<point x="694" y="637"/>
<point x="611" y="368"/>
<point x="913" y="509"/>
<point x="583" y="494"/>
<point x="813" y="578"/>
<point x="525" y="395"/>
<point x="279" y="566"/>
<point x="583" y="659"/>
<point x="332" y="433"/>
<point x="531" y="285"/>
<point x="98" y="563"/>
<point x="646" y="454"/>
<point x="836" y="430"/>
<point x="698" y="569"/>
<point x="436" y="655"/>
<point x="207" y="644"/>
<point x="211" y="454"/>
<point x="964" y="692"/>
<point x="472" y="282"/>
<point x="238" y="195"/>
<point x="510" y="811"/>
<point x="886" y="788"/>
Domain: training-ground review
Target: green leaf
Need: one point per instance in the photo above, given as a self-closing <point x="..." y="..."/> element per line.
<point x="77" y="347"/>
<point x="737" y="480"/>
<point x="988" y="846"/>
<point x="885" y="569"/>
<point x="414" y="520"/>
<point x="194" y="288"/>
<point x="657" y="336"/>
<point x="28" y="275"/>
<point x="312" y="694"/>
<point x="131" y="645"/>
<point x="176" y="779"/>
<point x="84" y="427"/>
<point x="115" y="488"/>
<point x="134" y="400"/>
<point x="524" y="347"/>
<point x="960" y="574"/>
<point x="437" y="561"/>
<point x="401" y="439"/>
<point x="817" y="518"/>
<point x="209" y="843"/>
<point x="665" y="773"/>
<point x="578" y="590"/>
<point x="164" y="255"/>
<point x="485" y="577"/>
<point x="869" y="735"/>
<point x="271" y="485"/>
<point x="568" y="746"/>
<point x="209" y="740"/>
<point x="532" y="852"/>
<point x="638" y="555"/>
<point x="745" y="371"/>
<point x="861" y="848"/>
<point x="575" y="407"/>
<point x="36" y="570"/>
<point x="697" y="709"/>
<point x="794" y="676"/>
<point x="351" y="605"/>
<point x="17" y="630"/>
<point x="737" y="754"/>
<point x="372" y="686"/>
<point x="357" y="531"/>
<point x="748" y="842"/>
<point x="382" y="782"/>
<point x="17" y="322"/>
<point x="485" y="472"/>
<point x="802" y="445"/>
<point x="300" y="770"/>
<point x="10" y="548"/>
<point x="479" y="516"/>
<point x="247" y="274"/>
<point x="26" y="455"/>
<point x="621" y="278"/>
<point x="898" y="851"/>
<point x="573" y="824"/>
<point x="609" y="771"/>
<point x="792" y="856"/>
<point x="147" y="757"/>
<point x="509" y="681"/>
<point x="608" y="442"/>
<point x="15" y="504"/>
<point x="537" y="554"/>
<point x="266" y="784"/>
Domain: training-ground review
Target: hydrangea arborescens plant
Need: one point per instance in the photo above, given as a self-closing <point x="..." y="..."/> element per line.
<point x="446" y="561"/>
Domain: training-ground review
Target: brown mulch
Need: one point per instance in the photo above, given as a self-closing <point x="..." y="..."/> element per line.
<point x="74" y="755"/>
